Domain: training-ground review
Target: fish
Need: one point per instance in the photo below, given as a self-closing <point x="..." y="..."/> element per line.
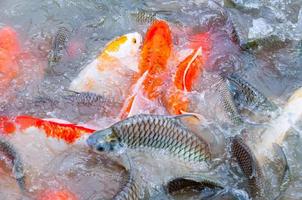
<point x="158" y="132"/>
<point x="152" y="68"/>
<point x="186" y="74"/>
<point x="13" y="155"/>
<point x="58" y="44"/>
<point x="227" y="100"/>
<point x="9" y="49"/>
<point x="260" y="155"/>
<point x="64" y="131"/>
<point x="144" y="17"/>
<point x="147" y="16"/>
<point x="155" y="52"/>
<point x="129" y="191"/>
<point x="192" y="182"/>
<point x="111" y="73"/>
<point x="87" y="99"/>
<point x="249" y="95"/>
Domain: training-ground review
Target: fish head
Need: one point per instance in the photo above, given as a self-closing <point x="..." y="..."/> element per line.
<point x="124" y="46"/>
<point x="104" y="141"/>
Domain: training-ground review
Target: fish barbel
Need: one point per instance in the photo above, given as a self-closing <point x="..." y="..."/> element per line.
<point x="157" y="132"/>
<point x="260" y="154"/>
<point x="9" y="151"/>
<point x="112" y="71"/>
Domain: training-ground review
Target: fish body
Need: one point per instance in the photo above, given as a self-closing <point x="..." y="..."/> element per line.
<point x="186" y="74"/>
<point x="227" y="101"/>
<point x="66" y="132"/>
<point x="18" y="170"/>
<point x="144" y="17"/>
<point x="253" y="98"/>
<point x="129" y="191"/>
<point x="156" y="50"/>
<point x="59" y="43"/>
<point x="111" y="73"/>
<point x="155" y="132"/>
<point x="152" y="68"/>
<point x="260" y="155"/>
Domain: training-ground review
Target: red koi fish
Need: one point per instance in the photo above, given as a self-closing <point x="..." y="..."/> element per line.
<point x="63" y="131"/>
<point x="156" y="50"/>
<point x="187" y="73"/>
<point x="9" y="48"/>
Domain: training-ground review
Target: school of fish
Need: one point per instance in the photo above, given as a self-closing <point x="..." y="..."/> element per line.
<point x="152" y="81"/>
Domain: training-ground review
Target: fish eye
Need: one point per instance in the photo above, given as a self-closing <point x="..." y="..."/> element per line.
<point x="134" y="40"/>
<point x="100" y="148"/>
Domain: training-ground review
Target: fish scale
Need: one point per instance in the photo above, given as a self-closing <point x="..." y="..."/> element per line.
<point x="253" y="98"/>
<point x="170" y="136"/>
<point x="130" y="191"/>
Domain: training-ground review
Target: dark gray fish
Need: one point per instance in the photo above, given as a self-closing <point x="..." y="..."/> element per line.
<point x="249" y="166"/>
<point x="144" y="17"/>
<point x="269" y="43"/>
<point x="129" y="191"/>
<point x="87" y="98"/>
<point x="152" y="131"/>
<point x="249" y="95"/>
<point x="190" y="182"/>
<point x="147" y="17"/>
<point x="10" y="152"/>
<point x="204" y="186"/>
<point x="227" y="100"/>
<point x="58" y="44"/>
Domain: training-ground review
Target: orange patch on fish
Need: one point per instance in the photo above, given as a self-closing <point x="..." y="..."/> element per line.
<point x="186" y="74"/>
<point x="201" y="40"/>
<point x="189" y="70"/>
<point x="9" y="40"/>
<point x="156" y="50"/>
<point x="62" y="194"/>
<point x="9" y="48"/>
<point x="67" y="132"/>
<point x="177" y="103"/>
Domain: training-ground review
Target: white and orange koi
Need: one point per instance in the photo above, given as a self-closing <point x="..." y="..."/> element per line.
<point x="112" y="71"/>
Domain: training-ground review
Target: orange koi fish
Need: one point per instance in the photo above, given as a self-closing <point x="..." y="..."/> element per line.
<point x="9" y="48"/>
<point x="63" y="131"/>
<point x="186" y="73"/>
<point x="112" y="71"/>
<point x="156" y="50"/>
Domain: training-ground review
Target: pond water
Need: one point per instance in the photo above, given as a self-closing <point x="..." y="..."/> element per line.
<point x="261" y="41"/>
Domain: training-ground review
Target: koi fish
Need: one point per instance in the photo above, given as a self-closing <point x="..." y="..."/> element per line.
<point x="156" y="50"/>
<point x="9" y="49"/>
<point x="111" y="72"/>
<point x="64" y="131"/>
<point x="186" y="73"/>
